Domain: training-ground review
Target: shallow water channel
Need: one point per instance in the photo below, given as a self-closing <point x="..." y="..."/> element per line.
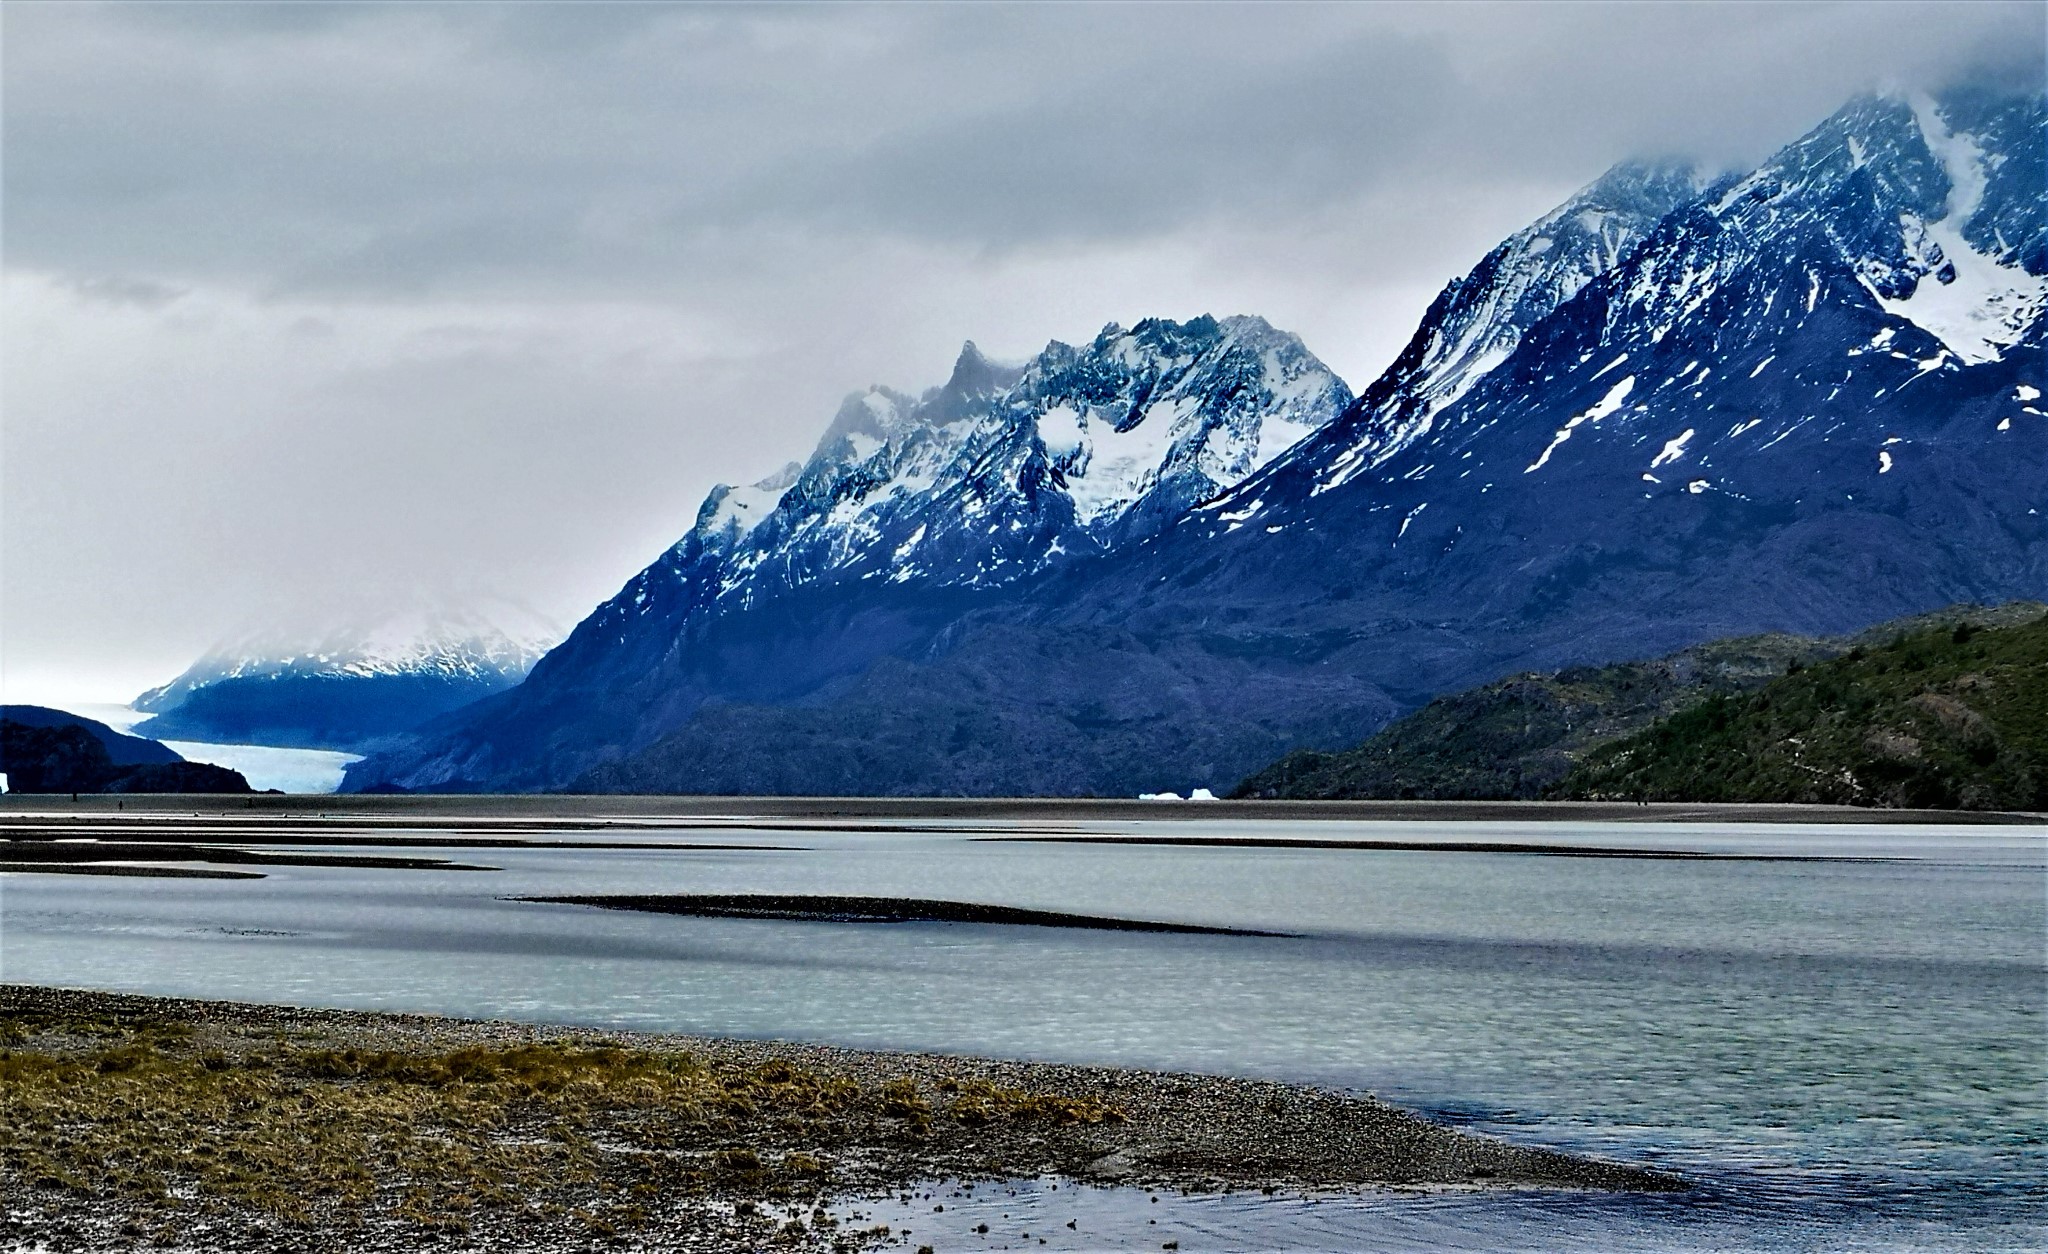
<point x="1845" y="1052"/>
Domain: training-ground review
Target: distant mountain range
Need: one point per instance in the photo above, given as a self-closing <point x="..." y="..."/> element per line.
<point x="1676" y="408"/>
<point x="352" y="691"/>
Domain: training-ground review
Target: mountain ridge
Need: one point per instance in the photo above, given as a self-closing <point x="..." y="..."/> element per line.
<point x="911" y="513"/>
<point x="1726" y="417"/>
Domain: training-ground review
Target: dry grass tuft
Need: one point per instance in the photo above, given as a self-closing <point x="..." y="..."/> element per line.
<point x="140" y="1113"/>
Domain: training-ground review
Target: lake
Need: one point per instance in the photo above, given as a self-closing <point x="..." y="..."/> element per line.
<point x="1847" y="1050"/>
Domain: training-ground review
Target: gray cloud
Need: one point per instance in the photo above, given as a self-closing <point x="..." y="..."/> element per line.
<point x="319" y="306"/>
<point x="122" y="290"/>
<point x="399" y="148"/>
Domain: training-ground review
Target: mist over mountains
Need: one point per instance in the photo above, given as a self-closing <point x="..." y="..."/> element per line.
<point x="1678" y="407"/>
<point x="353" y="690"/>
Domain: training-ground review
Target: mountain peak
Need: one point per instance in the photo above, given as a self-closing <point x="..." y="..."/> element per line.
<point x="1675" y="407"/>
<point x="975" y="376"/>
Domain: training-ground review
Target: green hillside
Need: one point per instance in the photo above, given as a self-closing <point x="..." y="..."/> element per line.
<point x="1951" y="719"/>
<point x="1521" y="737"/>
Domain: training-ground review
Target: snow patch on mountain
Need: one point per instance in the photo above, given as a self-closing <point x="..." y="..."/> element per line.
<point x="1605" y="406"/>
<point x="1977" y="305"/>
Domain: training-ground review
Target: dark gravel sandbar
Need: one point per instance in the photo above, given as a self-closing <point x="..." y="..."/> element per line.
<point x="153" y="1123"/>
<point x="827" y="909"/>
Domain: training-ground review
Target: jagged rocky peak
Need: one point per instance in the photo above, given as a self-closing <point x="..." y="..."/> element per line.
<point x="1480" y="318"/>
<point x="1672" y="332"/>
<point x="1005" y="468"/>
<point x="1544" y="264"/>
<point x="1782" y="318"/>
<point x="729" y="513"/>
<point x="1141" y="424"/>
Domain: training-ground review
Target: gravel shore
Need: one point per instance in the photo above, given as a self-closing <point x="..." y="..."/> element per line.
<point x="503" y="1135"/>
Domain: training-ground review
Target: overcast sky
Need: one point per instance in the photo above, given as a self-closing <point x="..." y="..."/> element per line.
<point x="315" y="314"/>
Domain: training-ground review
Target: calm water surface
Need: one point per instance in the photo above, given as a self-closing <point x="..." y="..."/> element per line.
<point x="1847" y="1054"/>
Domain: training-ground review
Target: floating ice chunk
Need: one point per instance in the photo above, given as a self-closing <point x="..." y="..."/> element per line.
<point x="1674" y="448"/>
<point x="1159" y="796"/>
<point x="1201" y="794"/>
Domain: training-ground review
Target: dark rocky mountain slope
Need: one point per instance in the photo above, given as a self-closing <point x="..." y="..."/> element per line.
<point x="1674" y="410"/>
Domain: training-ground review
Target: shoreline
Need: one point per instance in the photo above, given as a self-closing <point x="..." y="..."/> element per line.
<point x="500" y="810"/>
<point x="773" y="1135"/>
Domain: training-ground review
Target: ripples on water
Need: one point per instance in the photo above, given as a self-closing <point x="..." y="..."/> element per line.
<point x="1846" y="1054"/>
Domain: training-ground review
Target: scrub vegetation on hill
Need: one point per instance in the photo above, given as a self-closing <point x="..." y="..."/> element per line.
<point x="1524" y="737"/>
<point x="1940" y="719"/>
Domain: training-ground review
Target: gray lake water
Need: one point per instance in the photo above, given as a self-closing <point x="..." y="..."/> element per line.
<point x="1846" y="1054"/>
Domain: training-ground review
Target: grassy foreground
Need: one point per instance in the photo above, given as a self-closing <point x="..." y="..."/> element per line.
<point x="146" y="1123"/>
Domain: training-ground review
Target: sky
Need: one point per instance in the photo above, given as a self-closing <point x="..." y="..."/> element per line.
<point x="312" y="316"/>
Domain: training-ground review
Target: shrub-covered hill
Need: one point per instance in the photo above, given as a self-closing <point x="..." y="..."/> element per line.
<point x="1520" y="737"/>
<point x="1954" y="718"/>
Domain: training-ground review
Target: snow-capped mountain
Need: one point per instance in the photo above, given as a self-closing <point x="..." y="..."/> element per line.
<point x="1676" y="408"/>
<point x="1846" y="300"/>
<point x="1005" y="470"/>
<point x="351" y="690"/>
<point x="949" y="498"/>
<point x="1479" y="320"/>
